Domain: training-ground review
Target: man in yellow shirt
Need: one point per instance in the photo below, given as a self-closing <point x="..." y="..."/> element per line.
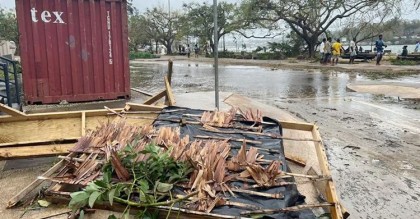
<point x="337" y="48"/>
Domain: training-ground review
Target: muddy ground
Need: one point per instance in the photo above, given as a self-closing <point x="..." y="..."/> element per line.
<point x="386" y="68"/>
<point x="374" y="158"/>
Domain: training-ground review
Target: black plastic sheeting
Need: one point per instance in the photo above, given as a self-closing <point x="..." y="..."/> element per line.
<point x="290" y="192"/>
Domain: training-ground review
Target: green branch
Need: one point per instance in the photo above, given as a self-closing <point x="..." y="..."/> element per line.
<point x="135" y="204"/>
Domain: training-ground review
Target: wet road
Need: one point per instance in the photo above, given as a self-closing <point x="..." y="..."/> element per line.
<point x="373" y="142"/>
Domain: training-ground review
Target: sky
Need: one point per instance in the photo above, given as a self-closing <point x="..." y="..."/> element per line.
<point x="142" y="5"/>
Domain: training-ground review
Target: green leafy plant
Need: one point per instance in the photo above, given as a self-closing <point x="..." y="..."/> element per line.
<point x="152" y="180"/>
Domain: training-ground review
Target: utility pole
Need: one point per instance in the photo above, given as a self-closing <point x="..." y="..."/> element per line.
<point x="216" y="55"/>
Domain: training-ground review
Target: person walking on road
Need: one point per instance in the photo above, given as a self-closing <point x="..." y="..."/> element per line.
<point x="417" y="47"/>
<point x="353" y="50"/>
<point x="379" y="44"/>
<point x="337" y="48"/>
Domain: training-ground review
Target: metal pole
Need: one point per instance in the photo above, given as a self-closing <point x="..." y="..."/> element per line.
<point x="216" y="55"/>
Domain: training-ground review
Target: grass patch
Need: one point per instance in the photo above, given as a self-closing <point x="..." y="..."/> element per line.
<point x="404" y="62"/>
<point x="142" y="55"/>
<point x="387" y="75"/>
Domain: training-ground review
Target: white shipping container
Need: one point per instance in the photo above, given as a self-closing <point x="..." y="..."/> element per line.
<point x="7" y="48"/>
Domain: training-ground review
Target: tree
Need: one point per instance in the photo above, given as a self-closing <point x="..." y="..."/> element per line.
<point x="310" y="19"/>
<point x="371" y="24"/>
<point x="162" y="27"/>
<point x="8" y="26"/>
<point x="199" y="21"/>
<point x="137" y="25"/>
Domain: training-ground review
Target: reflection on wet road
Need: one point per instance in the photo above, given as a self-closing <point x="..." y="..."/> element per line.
<point x="255" y="82"/>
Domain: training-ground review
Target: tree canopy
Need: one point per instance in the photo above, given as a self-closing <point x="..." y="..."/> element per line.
<point x="8" y="26"/>
<point x="199" y="20"/>
<point x="310" y="19"/>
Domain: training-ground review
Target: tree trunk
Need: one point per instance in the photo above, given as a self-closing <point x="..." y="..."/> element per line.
<point x="311" y="46"/>
<point x="311" y="50"/>
<point x="168" y="46"/>
<point x="156" y="52"/>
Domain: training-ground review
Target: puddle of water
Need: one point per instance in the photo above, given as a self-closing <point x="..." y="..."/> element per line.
<point x="251" y="81"/>
<point x="263" y="84"/>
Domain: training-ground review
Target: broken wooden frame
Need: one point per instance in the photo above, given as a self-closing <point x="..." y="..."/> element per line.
<point x="54" y="133"/>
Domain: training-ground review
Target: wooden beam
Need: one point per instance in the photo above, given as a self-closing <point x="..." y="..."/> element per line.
<point x="34" y="151"/>
<point x="331" y="193"/>
<point x="169" y="94"/>
<point x="155" y="98"/>
<point x="143" y="107"/>
<point x="83" y="123"/>
<point x="142" y="92"/>
<point x="58" y="115"/>
<point x="32" y="188"/>
<point x="10" y="111"/>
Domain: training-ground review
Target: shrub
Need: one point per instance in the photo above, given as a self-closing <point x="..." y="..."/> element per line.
<point x="142" y="55"/>
<point x="404" y="62"/>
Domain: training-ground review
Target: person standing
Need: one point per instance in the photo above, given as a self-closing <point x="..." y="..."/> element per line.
<point x="337" y="48"/>
<point x="188" y="50"/>
<point x="379" y="44"/>
<point x="417" y="46"/>
<point x="321" y="50"/>
<point x="353" y="50"/>
<point x="404" y="51"/>
<point x="196" y="50"/>
<point x="327" y="51"/>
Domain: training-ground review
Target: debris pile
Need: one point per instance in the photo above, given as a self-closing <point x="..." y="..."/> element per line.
<point x="168" y="165"/>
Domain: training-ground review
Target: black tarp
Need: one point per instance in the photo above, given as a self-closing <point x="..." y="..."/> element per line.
<point x="173" y="116"/>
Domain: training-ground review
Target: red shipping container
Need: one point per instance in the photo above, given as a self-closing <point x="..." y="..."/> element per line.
<point x="73" y="50"/>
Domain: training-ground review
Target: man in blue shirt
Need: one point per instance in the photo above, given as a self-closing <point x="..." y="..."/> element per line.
<point x="379" y="49"/>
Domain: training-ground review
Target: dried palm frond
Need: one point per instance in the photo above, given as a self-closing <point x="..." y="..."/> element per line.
<point x="252" y="116"/>
<point x="243" y="158"/>
<point x="263" y="176"/>
<point x="218" y="118"/>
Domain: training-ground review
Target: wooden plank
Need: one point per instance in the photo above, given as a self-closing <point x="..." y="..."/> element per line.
<point x="27" y="143"/>
<point x="142" y="92"/>
<point x="143" y="107"/>
<point x="331" y="193"/>
<point x="155" y="98"/>
<point x="10" y="111"/>
<point x="296" y="125"/>
<point x="40" y="130"/>
<point x="31" y="188"/>
<point x="34" y="151"/>
<point x="169" y="94"/>
<point x="83" y="123"/>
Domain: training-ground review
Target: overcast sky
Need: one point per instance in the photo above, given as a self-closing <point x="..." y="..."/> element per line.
<point x="177" y="4"/>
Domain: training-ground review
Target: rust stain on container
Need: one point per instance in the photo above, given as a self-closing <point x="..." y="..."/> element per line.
<point x="73" y="50"/>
